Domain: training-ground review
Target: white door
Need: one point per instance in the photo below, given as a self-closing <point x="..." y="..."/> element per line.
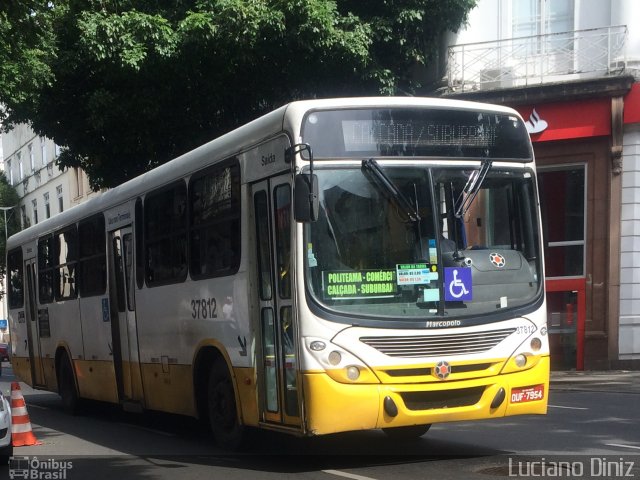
<point x="33" y="319"/>
<point x="124" y="330"/>
<point x="277" y="365"/>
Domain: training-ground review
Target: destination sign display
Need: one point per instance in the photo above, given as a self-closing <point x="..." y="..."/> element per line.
<point x="419" y="131"/>
<point x="366" y="135"/>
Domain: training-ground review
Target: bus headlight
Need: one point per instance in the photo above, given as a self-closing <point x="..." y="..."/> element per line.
<point x="353" y="373"/>
<point x="339" y="364"/>
<point x="521" y="360"/>
<point x="536" y="344"/>
<point x="335" y="358"/>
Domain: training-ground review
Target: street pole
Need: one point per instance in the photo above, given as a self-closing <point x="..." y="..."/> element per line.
<point x="5" y="306"/>
<point x="4" y="209"/>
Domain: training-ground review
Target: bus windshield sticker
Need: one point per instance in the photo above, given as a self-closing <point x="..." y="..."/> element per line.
<point x="311" y="258"/>
<point x="416" y="273"/>
<point x="105" y="310"/>
<point x="359" y="284"/>
<point x="431" y="295"/>
<point x="433" y="252"/>
<point x="458" y="284"/>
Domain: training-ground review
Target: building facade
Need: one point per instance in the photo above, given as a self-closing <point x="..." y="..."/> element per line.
<point x="44" y="190"/>
<point x="571" y="69"/>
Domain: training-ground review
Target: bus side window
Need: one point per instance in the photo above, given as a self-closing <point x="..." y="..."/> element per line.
<point x="66" y="247"/>
<point x="16" y="282"/>
<point x="45" y="269"/>
<point x="263" y="244"/>
<point x="165" y="235"/>
<point x="93" y="261"/>
<point x="282" y="202"/>
<point x="214" y="230"/>
<point x="139" y="243"/>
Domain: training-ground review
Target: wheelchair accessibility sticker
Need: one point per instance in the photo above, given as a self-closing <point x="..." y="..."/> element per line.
<point x="457" y="284"/>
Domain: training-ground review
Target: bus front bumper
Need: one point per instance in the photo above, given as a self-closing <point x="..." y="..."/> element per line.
<point x="332" y="407"/>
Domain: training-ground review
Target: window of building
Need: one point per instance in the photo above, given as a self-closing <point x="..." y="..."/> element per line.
<point x="77" y="176"/>
<point x="23" y="216"/>
<point x="535" y="18"/>
<point x="47" y="208"/>
<point x="562" y="202"/>
<point x="34" y="203"/>
<point x="20" y="166"/>
<point x="540" y="17"/>
<point x="43" y="149"/>
<point x="93" y="264"/>
<point x="60" y="199"/>
<point x="32" y="157"/>
<point x="9" y="173"/>
<point x="165" y="235"/>
<point x="214" y="202"/>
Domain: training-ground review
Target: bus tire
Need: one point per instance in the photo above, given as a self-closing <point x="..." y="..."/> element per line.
<point x="67" y="387"/>
<point x="5" y="454"/>
<point x="407" y="433"/>
<point x="221" y="405"/>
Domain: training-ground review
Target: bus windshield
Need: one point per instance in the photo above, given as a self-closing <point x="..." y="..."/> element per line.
<point x="371" y="255"/>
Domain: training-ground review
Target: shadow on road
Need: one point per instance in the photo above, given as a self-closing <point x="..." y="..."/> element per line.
<point x="152" y="445"/>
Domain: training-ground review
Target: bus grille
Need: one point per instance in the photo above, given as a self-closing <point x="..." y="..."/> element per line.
<point x="462" y="397"/>
<point x="438" y="345"/>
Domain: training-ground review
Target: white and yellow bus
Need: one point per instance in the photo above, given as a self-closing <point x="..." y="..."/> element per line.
<point x="335" y="265"/>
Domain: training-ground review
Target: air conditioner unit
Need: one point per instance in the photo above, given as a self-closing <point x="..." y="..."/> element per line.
<point x="494" y="78"/>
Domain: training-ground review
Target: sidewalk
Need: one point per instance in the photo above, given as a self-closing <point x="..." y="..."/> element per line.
<point x="619" y="381"/>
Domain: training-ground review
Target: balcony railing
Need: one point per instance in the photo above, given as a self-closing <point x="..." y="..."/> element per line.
<point x="537" y="59"/>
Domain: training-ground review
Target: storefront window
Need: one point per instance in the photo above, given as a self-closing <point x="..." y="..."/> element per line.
<point x="562" y="198"/>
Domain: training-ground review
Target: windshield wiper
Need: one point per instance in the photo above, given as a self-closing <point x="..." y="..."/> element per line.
<point x="471" y="189"/>
<point x="376" y="176"/>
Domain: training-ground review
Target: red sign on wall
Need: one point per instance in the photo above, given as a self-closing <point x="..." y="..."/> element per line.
<point x="576" y="119"/>
<point x="632" y="105"/>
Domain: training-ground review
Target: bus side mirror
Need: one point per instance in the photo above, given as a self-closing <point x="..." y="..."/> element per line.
<point x="305" y="198"/>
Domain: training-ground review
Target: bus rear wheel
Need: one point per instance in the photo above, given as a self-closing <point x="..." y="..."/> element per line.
<point x="221" y="403"/>
<point x="5" y="454"/>
<point x="67" y="387"/>
<point x="407" y="433"/>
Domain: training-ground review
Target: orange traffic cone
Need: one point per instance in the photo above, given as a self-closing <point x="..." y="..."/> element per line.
<point x="21" y="433"/>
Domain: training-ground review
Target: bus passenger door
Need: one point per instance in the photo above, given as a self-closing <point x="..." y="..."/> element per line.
<point x="124" y="329"/>
<point x="277" y="355"/>
<point x="33" y="330"/>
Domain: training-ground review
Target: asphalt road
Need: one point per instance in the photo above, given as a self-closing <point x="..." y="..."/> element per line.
<point x="591" y="430"/>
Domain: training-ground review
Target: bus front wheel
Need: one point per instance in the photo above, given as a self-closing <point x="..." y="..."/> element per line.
<point x="407" y="433"/>
<point x="223" y="417"/>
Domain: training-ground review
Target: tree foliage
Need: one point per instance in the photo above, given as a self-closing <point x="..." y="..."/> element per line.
<point x="126" y="85"/>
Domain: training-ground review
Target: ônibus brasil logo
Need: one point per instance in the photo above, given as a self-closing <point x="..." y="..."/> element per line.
<point x="36" y="469"/>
